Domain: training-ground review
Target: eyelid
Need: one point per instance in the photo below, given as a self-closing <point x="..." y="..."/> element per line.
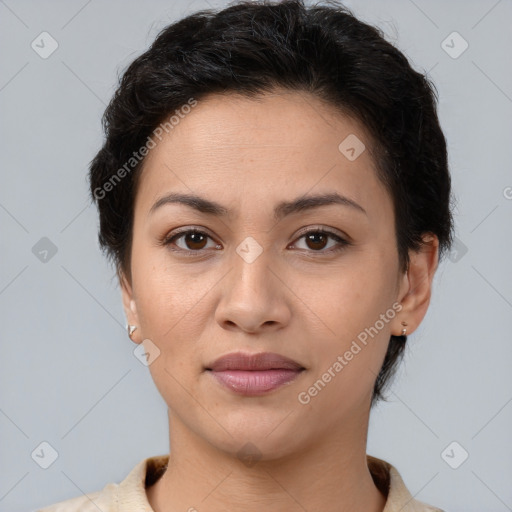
<point x="187" y="229"/>
<point x="325" y="229"/>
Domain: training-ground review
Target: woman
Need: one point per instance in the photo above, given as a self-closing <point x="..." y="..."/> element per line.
<point x="274" y="193"/>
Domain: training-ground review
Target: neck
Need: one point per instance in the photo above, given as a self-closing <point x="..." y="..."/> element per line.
<point x="331" y="475"/>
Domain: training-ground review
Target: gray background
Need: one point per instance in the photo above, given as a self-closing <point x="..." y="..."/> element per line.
<point x="68" y="373"/>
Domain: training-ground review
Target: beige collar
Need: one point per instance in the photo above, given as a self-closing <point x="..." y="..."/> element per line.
<point x="131" y="493"/>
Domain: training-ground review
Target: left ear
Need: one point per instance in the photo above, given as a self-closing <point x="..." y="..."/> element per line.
<point x="416" y="285"/>
<point x="130" y="307"/>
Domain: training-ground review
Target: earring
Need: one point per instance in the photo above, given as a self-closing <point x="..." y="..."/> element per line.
<point x="131" y="329"/>
<point x="404" y="330"/>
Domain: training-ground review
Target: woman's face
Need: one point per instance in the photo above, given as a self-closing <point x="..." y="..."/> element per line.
<point x="253" y="281"/>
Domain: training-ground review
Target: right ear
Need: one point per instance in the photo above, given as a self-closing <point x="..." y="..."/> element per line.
<point x="130" y="307"/>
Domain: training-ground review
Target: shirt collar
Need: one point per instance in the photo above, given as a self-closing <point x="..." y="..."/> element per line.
<point x="132" y="490"/>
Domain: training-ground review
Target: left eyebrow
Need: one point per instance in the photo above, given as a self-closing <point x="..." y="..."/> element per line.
<point x="309" y="202"/>
<point x="283" y="209"/>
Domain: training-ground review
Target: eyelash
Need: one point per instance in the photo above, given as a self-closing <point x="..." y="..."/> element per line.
<point x="167" y="241"/>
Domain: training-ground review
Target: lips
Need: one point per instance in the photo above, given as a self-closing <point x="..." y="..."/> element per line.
<point x="254" y="374"/>
<point x="261" y="361"/>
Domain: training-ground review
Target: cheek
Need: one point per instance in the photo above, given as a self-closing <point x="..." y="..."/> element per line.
<point x="354" y="296"/>
<point x="167" y="294"/>
<point x="357" y="308"/>
<point x="174" y="304"/>
<point x="168" y="302"/>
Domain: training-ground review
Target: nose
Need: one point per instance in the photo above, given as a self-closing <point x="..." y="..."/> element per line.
<point x="254" y="296"/>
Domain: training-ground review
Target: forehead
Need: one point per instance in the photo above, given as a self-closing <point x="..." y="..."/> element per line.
<point x="287" y="119"/>
<point x="282" y="144"/>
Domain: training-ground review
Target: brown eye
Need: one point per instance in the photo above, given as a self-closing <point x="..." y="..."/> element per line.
<point x="195" y="240"/>
<point x="317" y="240"/>
<point x="192" y="240"/>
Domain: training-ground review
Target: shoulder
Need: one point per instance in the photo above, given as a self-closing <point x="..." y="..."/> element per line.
<point x="389" y="481"/>
<point x="127" y="496"/>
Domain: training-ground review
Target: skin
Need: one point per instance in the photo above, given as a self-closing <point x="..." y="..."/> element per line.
<point x="296" y="298"/>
